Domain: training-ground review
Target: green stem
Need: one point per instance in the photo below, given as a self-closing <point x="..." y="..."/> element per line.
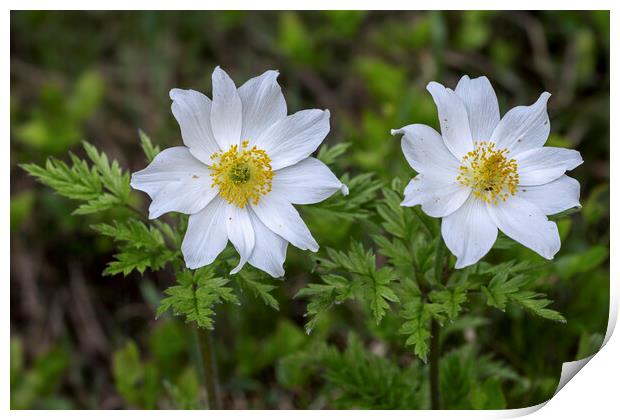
<point x="434" y="366"/>
<point x="435" y="350"/>
<point x="439" y="261"/>
<point x="207" y="366"/>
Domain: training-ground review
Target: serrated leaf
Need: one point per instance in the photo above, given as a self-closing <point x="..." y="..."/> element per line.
<point x="356" y="205"/>
<point x="103" y="202"/>
<point x="379" y="292"/>
<point x="135" y="232"/>
<point x="451" y="299"/>
<point x="417" y="326"/>
<point x="77" y="182"/>
<point x="113" y="177"/>
<point x="196" y="295"/>
<point x="503" y="289"/>
<point x="139" y="259"/>
<point x="102" y="186"/>
<point x="351" y="271"/>
<point x="141" y="247"/>
<point x="335" y="289"/>
<point x="259" y="289"/>
<point x="149" y="150"/>
<point x="537" y="304"/>
<point x="499" y="289"/>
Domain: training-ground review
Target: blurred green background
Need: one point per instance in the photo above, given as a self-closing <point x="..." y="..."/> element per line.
<point x="80" y="340"/>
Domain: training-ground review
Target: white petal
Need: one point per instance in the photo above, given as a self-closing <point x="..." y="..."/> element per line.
<point x="482" y="107"/>
<point x="263" y="105"/>
<point x="453" y="119"/>
<point x="240" y="232"/>
<point x="226" y="110"/>
<point x="426" y="152"/>
<point x="283" y="219"/>
<point x="295" y="137"/>
<point x="527" y="224"/>
<point x="206" y="235"/>
<point x="192" y="111"/>
<point x="307" y="182"/>
<point x="469" y="232"/>
<point x="437" y="197"/>
<point x="269" y="250"/>
<point x="175" y="181"/>
<point x="554" y="197"/>
<point x="545" y="164"/>
<point x="524" y="127"/>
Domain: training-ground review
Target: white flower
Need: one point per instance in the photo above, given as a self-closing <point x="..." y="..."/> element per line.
<point x="483" y="173"/>
<point x="245" y="163"/>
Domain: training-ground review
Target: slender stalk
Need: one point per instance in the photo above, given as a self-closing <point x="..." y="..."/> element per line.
<point x="435" y="351"/>
<point x="207" y="366"/>
<point x="434" y="366"/>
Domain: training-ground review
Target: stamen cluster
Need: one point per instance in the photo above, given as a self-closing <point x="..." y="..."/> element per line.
<point x="489" y="173"/>
<point x="242" y="175"/>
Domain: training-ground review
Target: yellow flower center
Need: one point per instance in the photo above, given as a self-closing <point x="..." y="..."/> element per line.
<point x="489" y="173"/>
<point x="241" y="174"/>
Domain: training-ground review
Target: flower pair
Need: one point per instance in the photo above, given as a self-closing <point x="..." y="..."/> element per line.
<point x="246" y="162"/>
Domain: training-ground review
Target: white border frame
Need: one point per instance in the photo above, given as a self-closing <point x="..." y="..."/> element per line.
<point x="594" y="392"/>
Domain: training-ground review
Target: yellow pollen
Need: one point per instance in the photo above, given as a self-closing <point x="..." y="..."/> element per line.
<point x="241" y="174"/>
<point x="489" y="173"/>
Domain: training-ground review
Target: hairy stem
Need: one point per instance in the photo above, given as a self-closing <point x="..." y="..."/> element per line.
<point x="207" y="366"/>
<point x="434" y="366"/>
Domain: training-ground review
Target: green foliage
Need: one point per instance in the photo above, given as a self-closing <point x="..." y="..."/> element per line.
<point x="34" y="387"/>
<point x="451" y="299"/>
<point x="359" y="277"/>
<point x="184" y="394"/>
<point x="281" y="340"/>
<point x="417" y="316"/>
<point x="55" y="121"/>
<point x="414" y="277"/>
<point x="163" y="380"/>
<point x="510" y="283"/>
<point x="354" y="206"/>
<point x="469" y="380"/>
<point x="195" y="295"/>
<point x="475" y="31"/>
<point x="322" y="296"/>
<point x="589" y="344"/>
<point x="112" y="176"/>
<point x="140" y="247"/>
<point x="569" y="266"/>
<point x="102" y="186"/>
<point x="442" y="304"/>
<point x="135" y="381"/>
<point x="149" y="150"/>
<point x="330" y="154"/>
<point x="357" y="378"/>
<point x="78" y="182"/>
<point x="411" y="237"/>
<point x="256" y="282"/>
<point x="293" y="39"/>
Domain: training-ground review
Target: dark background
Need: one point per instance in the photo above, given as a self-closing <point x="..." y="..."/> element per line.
<point x="102" y="75"/>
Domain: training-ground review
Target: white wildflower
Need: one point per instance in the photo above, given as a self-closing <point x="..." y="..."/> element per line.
<point x="244" y="166"/>
<point x="483" y="173"/>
